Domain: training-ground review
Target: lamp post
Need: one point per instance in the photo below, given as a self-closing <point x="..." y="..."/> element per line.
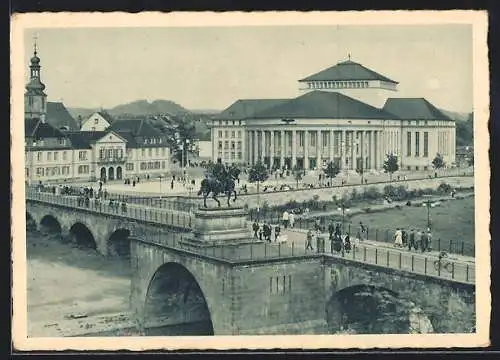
<point x="344" y="209"/>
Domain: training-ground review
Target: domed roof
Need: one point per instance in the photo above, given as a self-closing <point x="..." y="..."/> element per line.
<point x="35" y="60"/>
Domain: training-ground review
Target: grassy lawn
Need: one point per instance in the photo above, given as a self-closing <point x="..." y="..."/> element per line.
<point x="452" y="220"/>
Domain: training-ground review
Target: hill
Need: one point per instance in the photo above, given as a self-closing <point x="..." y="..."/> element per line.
<point x="457" y="116"/>
<point x="143" y="107"/>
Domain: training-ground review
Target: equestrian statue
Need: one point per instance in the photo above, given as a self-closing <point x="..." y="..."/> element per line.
<point x="219" y="179"/>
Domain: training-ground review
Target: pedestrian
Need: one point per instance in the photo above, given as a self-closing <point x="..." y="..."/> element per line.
<point x="291" y="218"/>
<point x="286" y="218"/>
<point x="429" y="239"/>
<point x="255" y="228"/>
<point x="423" y="241"/>
<point x="404" y="234"/>
<point x="411" y="240"/>
<point x="331" y="230"/>
<point x="398" y="238"/>
<point x="347" y="243"/>
<point x="309" y="240"/>
<point x="172" y="184"/>
<point x="337" y="230"/>
<point x="277" y="231"/>
<point x="133" y="183"/>
<point x="261" y="232"/>
<point x="361" y="231"/>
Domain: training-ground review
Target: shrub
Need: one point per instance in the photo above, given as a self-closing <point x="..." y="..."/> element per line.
<point x="372" y="193"/>
<point x="354" y="194"/>
<point x="389" y="191"/>
<point x="367" y="209"/>
<point x="444" y="188"/>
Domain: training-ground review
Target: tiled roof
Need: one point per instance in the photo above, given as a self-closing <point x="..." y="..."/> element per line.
<point x="58" y="116"/>
<point x="245" y="108"/>
<point x="106" y="116"/>
<point x="138" y="127"/>
<point x="324" y="104"/>
<point x="347" y="70"/>
<point x="79" y="140"/>
<point x="129" y="137"/>
<point x="30" y="125"/>
<point x="40" y="130"/>
<point x="414" y="109"/>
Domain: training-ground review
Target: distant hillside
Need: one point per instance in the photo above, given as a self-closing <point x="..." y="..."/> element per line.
<point x="143" y="107"/>
<point x="205" y="111"/>
<point x="457" y="116"/>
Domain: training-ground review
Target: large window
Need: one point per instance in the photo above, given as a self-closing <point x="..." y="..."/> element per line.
<point x="49" y="156"/>
<point x="220" y="145"/>
<point x="426" y="144"/>
<point x="82" y="155"/>
<point x="325" y="138"/>
<point x="408" y="144"/>
<point x="129" y="166"/>
<point x="312" y="137"/>
<point x="55" y="156"/>
<point x="220" y="133"/>
<point x="39" y="156"/>
<point x="64" y="155"/>
<point x="301" y="138"/>
<point x="417" y="144"/>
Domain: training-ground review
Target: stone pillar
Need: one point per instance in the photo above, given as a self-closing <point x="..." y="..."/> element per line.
<point x="382" y="147"/>
<point x="353" y="150"/>
<point x="331" y="145"/>
<point x="294" y="148"/>
<point x="343" y="149"/>
<point x="362" y="149"/>
<point x="306" y="149"/>
<point x="282" y="148"/>
<point x="271" y="151"/>
<point x="372" y="150"/>
<point x="319" y="148"/>
<point x="255" y="147"/>
<point x="263" y="145"/>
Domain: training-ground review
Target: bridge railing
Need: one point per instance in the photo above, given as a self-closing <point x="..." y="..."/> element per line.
<point x="158" y="216"/>
<point x="424" y="264"/>
<point x="447" y="268"/>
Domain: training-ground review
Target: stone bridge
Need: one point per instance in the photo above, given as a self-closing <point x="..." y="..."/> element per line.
<point x="204" y="282"/>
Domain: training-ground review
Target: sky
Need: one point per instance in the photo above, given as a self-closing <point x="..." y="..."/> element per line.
<point x="211" y="67"/>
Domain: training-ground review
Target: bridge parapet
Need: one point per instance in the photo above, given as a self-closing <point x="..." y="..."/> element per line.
<point x="167" y="217"/>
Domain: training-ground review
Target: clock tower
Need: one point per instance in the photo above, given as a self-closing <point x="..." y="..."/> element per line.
<point x="35" y="99"/>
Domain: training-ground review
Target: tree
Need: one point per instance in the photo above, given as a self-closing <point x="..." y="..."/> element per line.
<point x="181" y="133"/>
<point x="438" y="162"/>
<point x="391" y="164"/>
<point x="258" y="173"/>
<point x="331" y="170"/>
<point x="297" y="175"/>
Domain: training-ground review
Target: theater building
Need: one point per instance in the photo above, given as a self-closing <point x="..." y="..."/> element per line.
<point x="347" y="114"/>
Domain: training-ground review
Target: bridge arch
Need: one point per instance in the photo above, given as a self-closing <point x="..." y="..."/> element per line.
<point x="369" y="309"/>
<point x="175" y="303"/>
<point x="49" y="223"/>
<point x="31" y="223"/>
<point x="118" y="243"/>
<point x="83" y="236"/>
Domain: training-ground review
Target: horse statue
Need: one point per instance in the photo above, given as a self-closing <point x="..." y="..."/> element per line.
<point x="220" y="180"/>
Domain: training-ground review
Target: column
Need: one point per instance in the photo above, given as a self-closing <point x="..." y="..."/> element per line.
<point x="372" y="150"/>
<point x="343" y="149"/>
<point x="255" y="147"/>
<point x="306" y="149"/>
<point x="362" y="149"/>
<point x="294" y="148"/>
<point x="353" y="150"/>
<point x="262" y="145"/>
<point x="331" y="145"/>
<point x="271" y="151"/>
<point x="319" y="149"/>
<point x="282" y="148"/>
<point x="382" y="147"/>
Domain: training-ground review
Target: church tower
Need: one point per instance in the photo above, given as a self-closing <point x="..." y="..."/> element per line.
<point x="35" y="99"/>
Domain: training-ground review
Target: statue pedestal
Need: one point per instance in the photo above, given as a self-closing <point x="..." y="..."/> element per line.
<point x="220" y="227"/>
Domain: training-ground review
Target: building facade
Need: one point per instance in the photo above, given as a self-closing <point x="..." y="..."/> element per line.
<point x="98" y="121"/>
<point x="57" y="151"/>
<point x="346" y="115"/>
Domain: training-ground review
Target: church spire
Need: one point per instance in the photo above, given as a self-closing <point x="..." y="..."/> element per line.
<point x="35" y="97"/>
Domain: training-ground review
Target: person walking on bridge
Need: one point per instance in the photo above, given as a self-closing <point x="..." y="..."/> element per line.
<point x="309" y="240"/>
<point x="398" y="238"/>
<point x="286" y="218"/>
